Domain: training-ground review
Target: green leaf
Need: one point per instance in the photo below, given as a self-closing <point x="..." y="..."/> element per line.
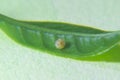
<point x="79" y="41"/>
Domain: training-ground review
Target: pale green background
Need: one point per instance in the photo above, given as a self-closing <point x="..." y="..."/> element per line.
<point x="21" y="63"/>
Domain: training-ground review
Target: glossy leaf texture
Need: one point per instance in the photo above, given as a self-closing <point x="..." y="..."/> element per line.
<point x="80" y="41"/>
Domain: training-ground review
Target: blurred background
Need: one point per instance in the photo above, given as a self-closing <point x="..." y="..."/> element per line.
<point x="21" y="63"/>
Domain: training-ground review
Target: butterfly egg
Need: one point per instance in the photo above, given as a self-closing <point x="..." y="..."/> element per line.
<point x="60" y="44"/>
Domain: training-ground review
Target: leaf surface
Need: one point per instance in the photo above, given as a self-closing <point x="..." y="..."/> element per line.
<point x="80" y="41"/>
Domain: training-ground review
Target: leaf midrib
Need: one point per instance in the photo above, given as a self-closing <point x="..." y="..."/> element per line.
<point x="34" y="27"/>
